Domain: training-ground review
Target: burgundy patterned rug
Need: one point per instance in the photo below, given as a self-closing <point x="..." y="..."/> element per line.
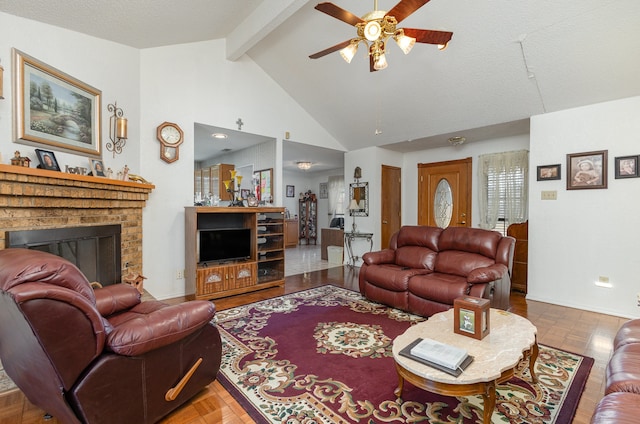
<point x="324" y="356"/>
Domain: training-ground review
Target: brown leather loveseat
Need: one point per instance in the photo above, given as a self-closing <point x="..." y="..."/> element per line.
<point x="426" y="268"/>
<point x="103" y="356"/>
<point x="621" y="402"/>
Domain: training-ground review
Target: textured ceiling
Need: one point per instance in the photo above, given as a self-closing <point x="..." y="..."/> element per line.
<point x="508" y="60"/>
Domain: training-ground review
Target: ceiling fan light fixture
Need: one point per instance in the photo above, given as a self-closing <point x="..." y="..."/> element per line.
<point x="442" y="47"/>
<point x="303" y="165"/>
<point x="372" y="30"/>
<point x="349" y="52"/>
<point x="405" y="42"/>
<point x="380" y="62"/>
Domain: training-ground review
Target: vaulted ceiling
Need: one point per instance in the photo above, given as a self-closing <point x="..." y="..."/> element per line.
<point x="508" y="60"/>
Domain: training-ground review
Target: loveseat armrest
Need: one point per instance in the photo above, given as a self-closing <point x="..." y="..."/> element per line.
<point x="487" y="274"/>
<point x="384" y="256"/>
<point x="116" y="298"/>
<point x="160" y="327"/>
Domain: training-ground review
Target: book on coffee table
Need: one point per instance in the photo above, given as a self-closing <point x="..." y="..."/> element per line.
<point x="443" y="357"/>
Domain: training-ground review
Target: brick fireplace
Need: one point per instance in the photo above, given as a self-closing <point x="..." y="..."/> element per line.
<point x="33" y="198"/>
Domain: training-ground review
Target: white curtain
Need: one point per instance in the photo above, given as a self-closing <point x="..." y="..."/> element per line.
<point x="336" y="195"/>
<point x="504" y="188"/>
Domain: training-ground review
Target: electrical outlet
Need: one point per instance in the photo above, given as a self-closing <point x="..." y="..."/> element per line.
<point x="180" y="274"/>
<point x="603" y="281"/>
<point x="549" y="195"/>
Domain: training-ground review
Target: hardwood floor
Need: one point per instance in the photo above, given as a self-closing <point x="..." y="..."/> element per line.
<point x="574" y="330"/>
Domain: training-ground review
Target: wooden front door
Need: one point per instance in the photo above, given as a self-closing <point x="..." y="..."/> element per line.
<point x="444" y="193"/>
<point x="391" y="213"/>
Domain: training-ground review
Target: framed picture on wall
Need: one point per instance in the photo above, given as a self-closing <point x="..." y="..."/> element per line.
<point x="627" y="167"/>
<point x="291" y="191"/>
<point x="54" y="109"/>
<point x="324" y="191"/>
<point x="587" y="170"/>
<point x="548" y="172"/>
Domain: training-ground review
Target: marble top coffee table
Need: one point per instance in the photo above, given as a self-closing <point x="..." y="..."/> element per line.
<point x="512" y="339"/>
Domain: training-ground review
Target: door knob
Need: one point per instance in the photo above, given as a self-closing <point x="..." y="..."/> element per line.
<point x="384" y="221"/>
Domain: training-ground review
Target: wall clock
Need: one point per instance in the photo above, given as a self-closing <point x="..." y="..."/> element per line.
<point x="170" y="136"/>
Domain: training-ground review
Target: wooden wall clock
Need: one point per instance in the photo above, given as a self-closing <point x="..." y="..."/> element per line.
<point x="170" y="136"/>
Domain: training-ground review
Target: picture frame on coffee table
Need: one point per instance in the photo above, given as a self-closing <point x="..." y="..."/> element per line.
<point x="471" y="316"/>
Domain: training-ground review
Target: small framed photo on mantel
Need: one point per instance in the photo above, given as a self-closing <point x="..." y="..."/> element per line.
<point x="471" y="316"/>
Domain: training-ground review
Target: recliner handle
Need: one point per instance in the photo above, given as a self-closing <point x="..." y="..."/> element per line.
<point x="173" y="392"/>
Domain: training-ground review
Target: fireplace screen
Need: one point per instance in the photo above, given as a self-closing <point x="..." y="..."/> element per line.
<point x="94" y="250"/>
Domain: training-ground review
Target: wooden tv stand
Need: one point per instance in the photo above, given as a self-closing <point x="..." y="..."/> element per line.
<point x="264" y="268"/>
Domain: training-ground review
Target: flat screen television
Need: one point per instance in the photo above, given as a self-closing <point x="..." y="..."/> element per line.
<point x="222" y="245"/>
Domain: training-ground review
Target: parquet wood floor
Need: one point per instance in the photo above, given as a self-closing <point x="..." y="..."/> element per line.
<point x="574" y="330"/>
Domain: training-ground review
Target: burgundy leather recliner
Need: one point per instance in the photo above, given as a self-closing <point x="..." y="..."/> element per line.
<point x="100" y="356"/>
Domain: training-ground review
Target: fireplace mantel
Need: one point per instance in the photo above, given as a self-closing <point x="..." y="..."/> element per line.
<point x="32" y="198"/>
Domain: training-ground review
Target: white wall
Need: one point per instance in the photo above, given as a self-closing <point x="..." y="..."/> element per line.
<point x="190" y="83"/>
<point x="109" y="67"/>
<point x="586" y="234"/>
<point x="370" y="161"/>
<point x="472" y="150"/>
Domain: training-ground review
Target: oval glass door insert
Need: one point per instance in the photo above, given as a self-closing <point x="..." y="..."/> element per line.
<point x="443" y="204"/>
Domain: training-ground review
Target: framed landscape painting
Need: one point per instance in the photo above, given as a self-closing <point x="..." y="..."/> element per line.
<point x="54" y="109"/>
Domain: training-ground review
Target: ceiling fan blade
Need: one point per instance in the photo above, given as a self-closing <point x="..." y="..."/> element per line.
<point x="405" y="8"/>
<point x="331" y="49"/>
<point x="428" y="36"/>
<point x="339" y="13"/>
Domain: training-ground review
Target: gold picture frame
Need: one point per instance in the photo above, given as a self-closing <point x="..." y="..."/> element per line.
<point x="54" y="109"/>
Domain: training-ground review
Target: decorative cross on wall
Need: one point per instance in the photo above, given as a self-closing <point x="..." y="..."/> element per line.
<point x="240" y="123"/>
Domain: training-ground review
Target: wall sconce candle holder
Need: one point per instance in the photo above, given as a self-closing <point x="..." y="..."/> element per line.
<point x="117" y="129"/>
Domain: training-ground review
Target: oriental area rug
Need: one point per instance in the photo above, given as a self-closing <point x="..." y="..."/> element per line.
<point x="324" y="356"/>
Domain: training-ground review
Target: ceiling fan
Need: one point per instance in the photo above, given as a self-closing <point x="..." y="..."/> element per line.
<point x="376" y="27"/>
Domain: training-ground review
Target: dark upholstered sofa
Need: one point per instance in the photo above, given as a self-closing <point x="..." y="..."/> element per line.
<point x="426" y="268"/>
<point x="621" y="402"/>
<point x="100" y="356"/>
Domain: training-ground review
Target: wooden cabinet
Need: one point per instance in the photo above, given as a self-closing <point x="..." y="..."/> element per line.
<point x="291" y="232"/>
<point x="217" y="279"/>
<point x="263" y="268"/>
<point x="308" y="215"/>
<point x="520" y="257"/>
<point x="210" y="180"/>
